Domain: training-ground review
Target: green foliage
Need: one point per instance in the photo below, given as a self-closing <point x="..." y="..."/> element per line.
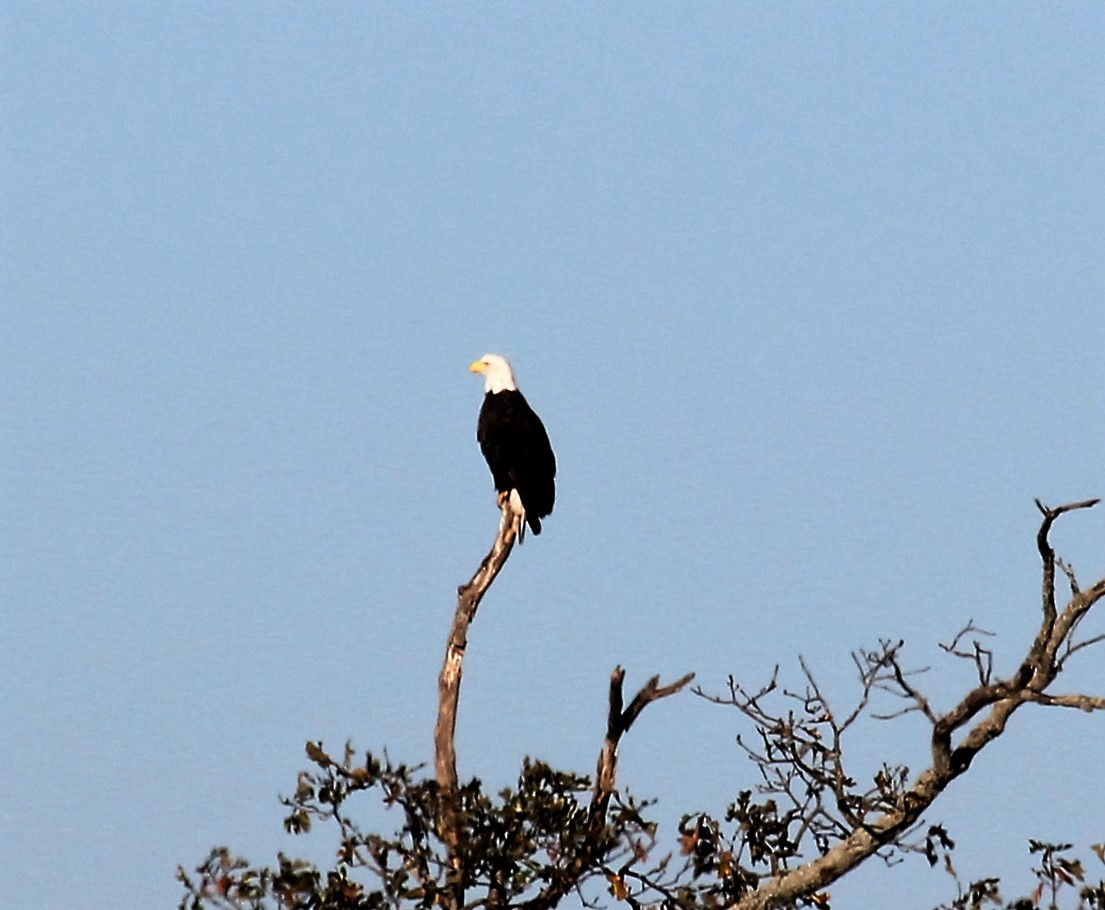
<point x="528" y="846"/>
<point x="510" y="846"/>
<point x="515" y="849"/>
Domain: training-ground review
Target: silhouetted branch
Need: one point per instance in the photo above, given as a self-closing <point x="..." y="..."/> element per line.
<point x="981" y="657"/>
<point x="1047" y="555"/>
<point x="618" y="723"/>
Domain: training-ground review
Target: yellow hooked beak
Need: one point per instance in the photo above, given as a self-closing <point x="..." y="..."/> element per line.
<point x="478" y="367"/>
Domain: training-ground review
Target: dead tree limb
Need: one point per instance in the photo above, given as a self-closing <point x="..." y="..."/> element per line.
<point x="448" y="686"/>
<point x="619" y="720"/>
<point x="957" y="735"/>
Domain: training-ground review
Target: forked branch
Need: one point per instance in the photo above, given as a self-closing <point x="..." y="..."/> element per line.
<point x="597" y="843"/>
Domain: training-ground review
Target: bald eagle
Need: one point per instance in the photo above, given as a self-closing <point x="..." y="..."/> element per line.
<point x="515" y="444"/>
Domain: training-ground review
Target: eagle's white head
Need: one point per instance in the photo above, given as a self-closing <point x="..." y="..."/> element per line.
<point x="497" y="376"/>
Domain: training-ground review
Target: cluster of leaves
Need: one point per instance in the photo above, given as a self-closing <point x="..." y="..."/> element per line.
<point x="537" y="838"/>
<point x="1058" y="874"/>
<point x="527" y="847"/>
<point x="513" y="845"/>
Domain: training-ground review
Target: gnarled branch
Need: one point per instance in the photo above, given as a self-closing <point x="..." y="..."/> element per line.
<point x="1041" y="665"/>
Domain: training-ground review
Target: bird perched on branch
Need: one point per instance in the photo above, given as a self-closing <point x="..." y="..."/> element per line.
<point x="516" y="446"/>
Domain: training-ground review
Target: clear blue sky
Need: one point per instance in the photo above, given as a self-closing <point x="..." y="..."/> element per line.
<point x="810" y="297"/>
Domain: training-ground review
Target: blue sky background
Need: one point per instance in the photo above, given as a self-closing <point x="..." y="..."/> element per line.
<point x="808" y="295"/>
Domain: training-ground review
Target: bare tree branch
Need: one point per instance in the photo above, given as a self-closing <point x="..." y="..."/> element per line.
<point x="902" y="809"/>
<point x="1047" y="555"/>
<point x="981" y="657"/>
<point x="445" y="755"/>
<point x="1087" y="703"/>
<point x="618" y="722"/>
